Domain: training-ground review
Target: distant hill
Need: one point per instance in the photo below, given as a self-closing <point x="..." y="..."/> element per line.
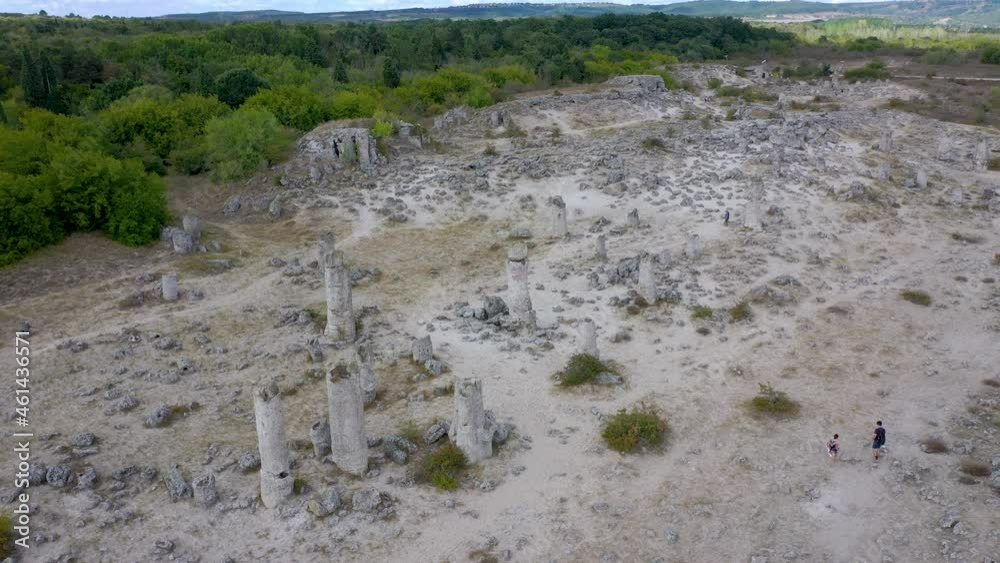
<point x="970" y="13"/>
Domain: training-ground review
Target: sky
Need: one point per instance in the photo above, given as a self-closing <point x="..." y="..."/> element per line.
<point x="143" y="8"/>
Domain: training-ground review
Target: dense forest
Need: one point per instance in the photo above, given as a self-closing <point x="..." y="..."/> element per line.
<point x="95" y="111"/>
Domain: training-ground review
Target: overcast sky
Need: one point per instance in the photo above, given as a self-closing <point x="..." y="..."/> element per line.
<point x="139" y="8"/>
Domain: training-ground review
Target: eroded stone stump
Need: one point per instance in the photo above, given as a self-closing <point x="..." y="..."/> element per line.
<point x="340" y="323"/>
<point x="518" y="295"/>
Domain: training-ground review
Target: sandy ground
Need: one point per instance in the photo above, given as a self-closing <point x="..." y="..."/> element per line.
<point x="728" y="486"/>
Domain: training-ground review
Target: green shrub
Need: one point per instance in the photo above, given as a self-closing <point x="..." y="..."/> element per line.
<point x="233" y="87"/>
<point x="974" y="468"/>
<point x="865" y="45"/>
<point x="740" y="311"/>
<point x="806" y="71"/>
<point x="442" y="467"/>
<point x="652" y="143"/>
<point x="968" y="239"/>
<point x="294" y="106"/>
<point x="714" y="82"/>
<point x="701" y="312"/>
<point x="409" y="430"/>
<point x="748" y="94"/>
<point x="383" y="129"/>
<point x="916" y="297"/>
<point x="874" y="70"/>
<point x="991" y="54"/>
<point x="771" y="401"/>
<point x="582" y="368"/>
<point x="6" y="536"/>
<point x="942" y="56"/>
<point x="642" y="427"/>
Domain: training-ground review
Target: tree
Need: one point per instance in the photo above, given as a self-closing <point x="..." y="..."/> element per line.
<point x="294" y="106"/>
<point x="340" y="73"/>
<point x="390" y="72"/>
<point x="31" y="80"/>
<point x="234" y="86"/>
<point x="238" y="144"/>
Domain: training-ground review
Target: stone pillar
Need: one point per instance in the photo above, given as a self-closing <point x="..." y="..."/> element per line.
<point x="981" y="158"/>
<point x="884" y="171"/>
<point x="778" y="162"/>
<point x="943" y="148"/>
<point x="633" y="218"/>
<point x="469" y="429"/>
<point x="693" y="246"/>
<point x="752" y="217"/>
<point x="518" y="298"/>
<point x="319" y="434"/>
<point x="369" y="382"/>
<point x="601" y="251"/>
<point x="647" y="278"/>
<point x="326" y="245"/>
<point x="339" y="309"/>
<point x="921" y="179"/>
<point x="348" y="444"/>
<point x="168" y="286"/>
<point x="422" y="349"/>
<point x="588" y="338"/>
<point x="559" y="228"/>
<point x="275" y="470"/>
<point x="885" y="141"/>
<point x="192" y="226"/>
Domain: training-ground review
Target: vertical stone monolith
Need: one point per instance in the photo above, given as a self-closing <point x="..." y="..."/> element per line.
<point x="348" y="444"/>
<point x="327" y="241"/>
<point x="168" y="286"/>
<point x="422" y="349"/>
<point x="647" y="277"/>
<point x="921" y="179"/>
<point x="275" y="469"/>
<point x="943" y="148"/>
<point x="192" y="226"/>
<point x="633" y="218"/>
<point x="588" y="338"/>
<point x="369" y="381"/>
<point x="752" y="216"/>
<point x="601" y="248"/>
<point x="885" y="141"/>
<point x="518" y="296"/>
<point x="319" y="435"/>
<point x="693" y="246"/>
<point x="558" y="209"/>
<point x="981" y="158"/>
<point x="469" y="430"/>
<point x="340" y="324"/>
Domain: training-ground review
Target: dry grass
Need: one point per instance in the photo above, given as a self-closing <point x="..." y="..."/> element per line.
<point x="934" y="445"/>
<point x="974" y="468"/>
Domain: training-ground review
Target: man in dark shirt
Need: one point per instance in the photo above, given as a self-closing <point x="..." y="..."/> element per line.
<point x="878" y="439"/>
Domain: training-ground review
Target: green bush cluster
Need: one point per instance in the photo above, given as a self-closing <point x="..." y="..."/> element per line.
<point x="916" y="297"/>
<point x="807" y="70"/>
<point x="642" y="427"/>
<point x="873" y="70"/>
<point x="748" y="94"/>
<point x="771" y="401"/>
<point x="442" y="467"/>
<point x="582" y="368"/>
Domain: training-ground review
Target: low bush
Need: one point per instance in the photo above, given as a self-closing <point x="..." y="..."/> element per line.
<point x="701" y="312"/>
<point x="442" y="467"/>
<point x="740" y="311"/>
<point x="582" y="368"/>
<point x="6" y="536"/>
<point x="916" y="297"/>
<point x="409" y="430"/>
<point x="974" y="468"/>
<point x="874" y="70"/>
<point x="933" y="445"/>
<point x="714" y="83"/>
<point x="771" y="401"/>
<point x="642" y="427"/>
<point x="652" y="143"/>
<point x="970" y="239"/>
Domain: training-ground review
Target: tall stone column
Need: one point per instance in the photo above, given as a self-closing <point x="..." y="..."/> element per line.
<point x="633" y="218"/>
<point x="339" y="310"/>
<point x="348" y="444"/>
<point x="588" y="338"/>
<point x="369" y="381"/>
<point x="275" y="469"/>
<point x="559" y="226"/>
<point x="693" y="246"/>
<point x="518" y="297"/>
<point x="327" y="241"/>
<point x="647" y="278"/>
<point x="921" y="180"/>
<point x="885" y="141"/>
<point x="752" y="218"/>
<point x="601" y="249"/>
<point x="943" y="148"/>
<point x="981" y="158"/>
<point x="168" y="286"/>
<point x="469" y="429"/>
<point x="422" y="349"/>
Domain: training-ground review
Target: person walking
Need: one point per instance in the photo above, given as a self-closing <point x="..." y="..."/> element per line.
<point x="833" y="448"/>
<point x="878" y="440"/>
<point x="726" y="218"/>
